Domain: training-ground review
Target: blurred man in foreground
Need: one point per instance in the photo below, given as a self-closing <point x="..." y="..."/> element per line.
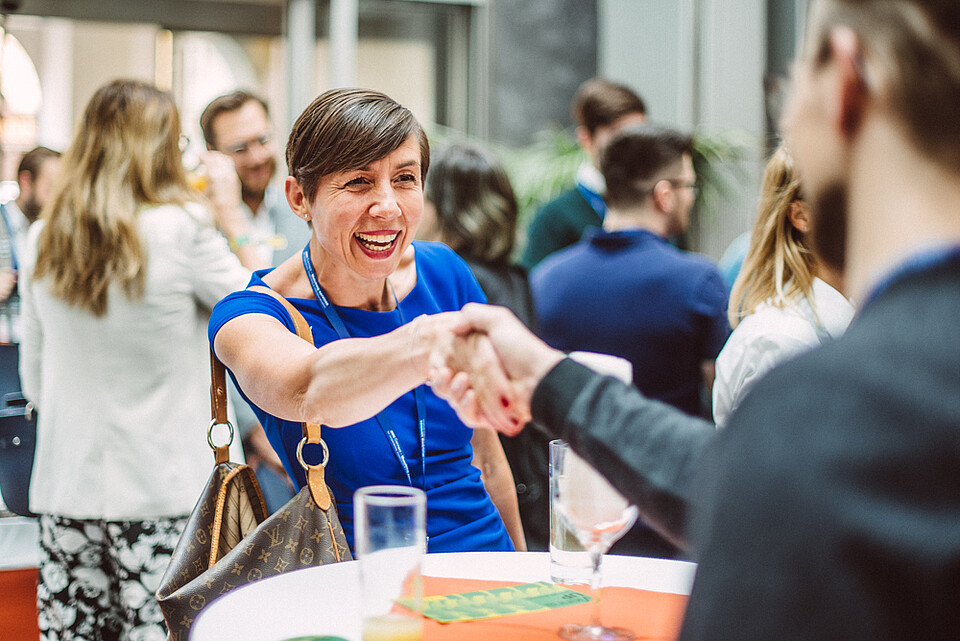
<point x="830" y="506"/>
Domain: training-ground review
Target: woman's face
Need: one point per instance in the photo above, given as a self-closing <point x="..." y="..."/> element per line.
<point x="365" y="218"/>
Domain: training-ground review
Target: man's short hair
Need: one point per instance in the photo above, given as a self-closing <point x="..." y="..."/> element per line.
<point x="226" y="103"/>
<point x="912" y="47"/>
<point x="600" y="103"/>
<point x="33" y="159"/>
<point x="636" y="158"/>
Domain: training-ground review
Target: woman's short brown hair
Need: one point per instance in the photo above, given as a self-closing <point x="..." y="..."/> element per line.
<point x="349" y="128"/>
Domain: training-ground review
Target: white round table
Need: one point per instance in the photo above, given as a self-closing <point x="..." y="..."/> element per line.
<point x="325" y="600"/>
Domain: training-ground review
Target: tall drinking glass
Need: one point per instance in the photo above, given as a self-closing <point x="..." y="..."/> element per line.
<point x="598" y="515"/>
<point x="569" y="560"/>
<point x="390" y="539"/>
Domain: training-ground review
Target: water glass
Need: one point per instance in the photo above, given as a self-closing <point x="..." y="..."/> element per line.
<point x="390" y="540"/>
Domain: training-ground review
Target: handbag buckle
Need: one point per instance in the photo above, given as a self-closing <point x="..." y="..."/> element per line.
<point x="303" y="464"/>
<point x="213" y="423"/>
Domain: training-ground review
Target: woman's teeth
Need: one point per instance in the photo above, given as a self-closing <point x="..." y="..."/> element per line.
<point x="377" y="242"/>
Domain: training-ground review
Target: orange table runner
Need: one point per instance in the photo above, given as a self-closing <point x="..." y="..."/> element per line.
<point x="651" y="615"/>
<point x="18" y="605"/>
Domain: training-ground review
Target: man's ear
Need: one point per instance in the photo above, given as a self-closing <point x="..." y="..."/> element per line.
<point x="664" y="196"/>
<point x="584" y="140"/>
<point x="296" y="198"/>
<point x="851" y="88"/>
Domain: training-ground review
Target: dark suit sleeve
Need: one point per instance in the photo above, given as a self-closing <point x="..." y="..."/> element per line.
<point x="647" y="449"/>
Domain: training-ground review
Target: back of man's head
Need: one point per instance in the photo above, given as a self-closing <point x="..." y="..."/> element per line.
<point x="636" y="158"/>
<point x="911" y="61"/>
<point x="600" y="103"/>
<point x="34" y="159"/>
<point x="223" y="104"/>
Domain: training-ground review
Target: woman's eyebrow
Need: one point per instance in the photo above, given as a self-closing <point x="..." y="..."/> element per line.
<point x="402" y="165"/>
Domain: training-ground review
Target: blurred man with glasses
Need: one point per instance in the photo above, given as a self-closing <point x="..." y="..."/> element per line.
<point x="237" y="128"/>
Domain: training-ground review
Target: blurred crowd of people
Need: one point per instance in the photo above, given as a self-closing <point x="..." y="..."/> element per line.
<point x="797" y="433"/>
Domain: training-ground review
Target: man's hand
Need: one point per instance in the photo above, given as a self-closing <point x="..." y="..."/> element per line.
<point x="223" y="192"/>
<point x="491" y="367"/>
<point x="8" y="279"/>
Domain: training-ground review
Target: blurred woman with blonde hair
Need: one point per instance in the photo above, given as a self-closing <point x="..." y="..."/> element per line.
<point x="121" y="272"/>
<point x="784" y="300"/>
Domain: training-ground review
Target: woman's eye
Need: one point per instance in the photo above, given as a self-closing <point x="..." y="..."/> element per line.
<point x="357" y="182"/>
<point x="407" y="178"/>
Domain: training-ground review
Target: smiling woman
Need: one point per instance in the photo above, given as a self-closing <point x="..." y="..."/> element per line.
<point x="375" y="301"/>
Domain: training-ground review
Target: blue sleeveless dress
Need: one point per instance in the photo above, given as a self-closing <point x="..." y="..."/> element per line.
<point x="460" y="514"/>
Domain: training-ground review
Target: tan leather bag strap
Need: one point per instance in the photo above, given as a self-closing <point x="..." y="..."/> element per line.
<point x="218" y="408"/>
<point x="311" y="431"/>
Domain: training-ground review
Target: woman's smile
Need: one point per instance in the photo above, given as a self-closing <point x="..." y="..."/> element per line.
<point x="377" y="244"/>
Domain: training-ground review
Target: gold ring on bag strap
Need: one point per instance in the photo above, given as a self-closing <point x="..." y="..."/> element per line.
<point x="214" y="423"/>
<point x="306" y="466"/>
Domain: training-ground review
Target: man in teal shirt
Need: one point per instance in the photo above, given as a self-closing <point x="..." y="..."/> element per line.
<point x="600" y="108"/>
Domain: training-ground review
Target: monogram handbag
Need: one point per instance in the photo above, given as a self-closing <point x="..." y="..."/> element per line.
<point x="229" y="540"/>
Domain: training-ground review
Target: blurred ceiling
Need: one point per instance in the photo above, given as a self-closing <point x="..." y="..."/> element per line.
<point x="263" y="17"/>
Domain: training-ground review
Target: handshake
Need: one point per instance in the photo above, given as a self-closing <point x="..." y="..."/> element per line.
<point x="486" y="364"/>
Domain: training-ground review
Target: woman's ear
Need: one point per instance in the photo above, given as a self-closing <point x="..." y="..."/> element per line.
<point x="799" y="217"/>
<point x="296" y="198"/>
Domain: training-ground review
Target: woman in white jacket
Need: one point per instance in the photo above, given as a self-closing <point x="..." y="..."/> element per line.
<point x="784" y="300"/>
<point x="122" y="270"/>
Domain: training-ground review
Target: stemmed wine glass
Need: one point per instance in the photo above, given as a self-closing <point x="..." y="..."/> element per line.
<point x="598" y="515"/>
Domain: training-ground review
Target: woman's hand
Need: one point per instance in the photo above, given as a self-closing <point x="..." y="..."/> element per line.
<point x="490" y="368"/>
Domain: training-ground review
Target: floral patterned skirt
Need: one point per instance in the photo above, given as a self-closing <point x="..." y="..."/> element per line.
<point x="97" y="578"/>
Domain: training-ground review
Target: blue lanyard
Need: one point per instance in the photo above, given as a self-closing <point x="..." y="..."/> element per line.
<point x="593" y="199"/>
<point x="385" y="424"/>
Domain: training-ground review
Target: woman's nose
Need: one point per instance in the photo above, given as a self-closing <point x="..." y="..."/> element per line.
<point x="385" y="203"/>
